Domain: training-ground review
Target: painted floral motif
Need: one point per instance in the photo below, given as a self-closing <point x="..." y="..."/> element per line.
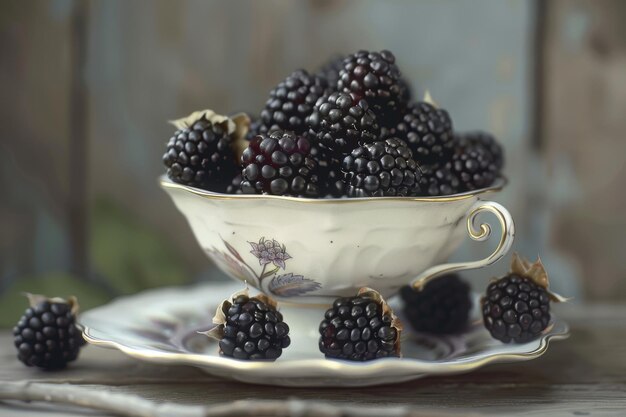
<point x="268" y="252"/>
<point x="290" y="285"/>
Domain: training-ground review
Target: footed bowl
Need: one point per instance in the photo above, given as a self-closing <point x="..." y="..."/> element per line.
<point x="310" y="251"/>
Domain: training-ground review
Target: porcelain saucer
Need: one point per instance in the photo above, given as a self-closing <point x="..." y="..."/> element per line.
<point x="162" y="326"/>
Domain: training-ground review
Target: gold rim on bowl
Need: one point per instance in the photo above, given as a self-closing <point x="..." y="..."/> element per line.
<point x="165" y="182"/>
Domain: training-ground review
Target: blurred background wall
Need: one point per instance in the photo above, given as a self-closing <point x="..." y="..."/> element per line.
<point x="88" y="85"/>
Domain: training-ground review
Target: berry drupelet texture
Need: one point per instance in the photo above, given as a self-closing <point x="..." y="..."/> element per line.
<point x="437" y="179"/>
<point x="357" y="329"/>
<point x="330" y="176"/>
<point x="47" y="337"/>
<point x="428" y="132"/>
<point x="201" y="156"/>
<point x="375" y="77"/>
<point x="477" y="160"/>
<point x="330" y="71"/>
<point x="279" y="163"/>
<point x="441" y="307"/>
<point x="291" y="102"/>
<point x="381" y="168"/>
<point x="340" y="123"/>
<point x="515" y="309"/>
<point x="253" y="330"/>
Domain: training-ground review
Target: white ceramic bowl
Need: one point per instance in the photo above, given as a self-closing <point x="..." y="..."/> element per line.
<point x="310" y="250"/>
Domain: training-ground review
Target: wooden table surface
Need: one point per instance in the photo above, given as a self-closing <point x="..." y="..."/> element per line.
<point x="582" y="376"/>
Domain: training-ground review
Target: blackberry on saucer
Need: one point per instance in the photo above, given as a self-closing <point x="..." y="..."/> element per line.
<point x="291" y="101"/>
<point x="200" y="153"/>
<point x="279" y="163"/>
<point x="46" y="335"/>
<point x="427" y="130"/>
<point x="375" y="77"/>
<point x="516" y="307"/>
<point x="250" y="328"/>
<point x="381" y="168"/>
<point x="442" y="306"/>
<point x="340" y="122"/>
<point x="360" y="328"/>
<point x="477" y="160"/>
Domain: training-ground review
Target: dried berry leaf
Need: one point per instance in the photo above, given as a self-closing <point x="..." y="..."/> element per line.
<point x="242" y="126"/>
<point x="225" y="122"/>
<point x="395" y="321"/>
<point x="219" y="319"/>
<point x="535" y="272"/>
<point x="34" y="299"/>
<point x="429" y="99"/>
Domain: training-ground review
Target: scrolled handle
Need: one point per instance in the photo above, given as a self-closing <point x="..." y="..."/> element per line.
<point x="480" y="233"/>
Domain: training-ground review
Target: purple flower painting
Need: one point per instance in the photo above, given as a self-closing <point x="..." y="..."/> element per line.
<point x="269" y="252"/>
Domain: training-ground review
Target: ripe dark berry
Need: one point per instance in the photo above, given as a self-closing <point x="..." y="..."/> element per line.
<point x="330" y="71"/>
<point x="437" y="180"/>
<point x="358" y="329"/>
<point x="291" y="102"/>
<point x="515" y="309"/>
<point x="477" y="160"/>
<point x="340" y="123"/>
<point x="375" y="77"/>
<point x="254" y="330"/>
<point x="441" y="307"/>
<point x="428" y="132"/>
<point x="382" y="168"/>
<point x="46" y="335"/>
<point x="330" y="176"/>
<point x="279" y="163"/>
<point x="201" y="156"/>
<point x="235" y="185"/>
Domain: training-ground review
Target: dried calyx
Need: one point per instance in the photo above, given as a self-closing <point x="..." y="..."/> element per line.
<point x="535" y="272"/>
<point x="35" y="299"/>
<point x="221" y="313"/>
<point x="386" y="311"/>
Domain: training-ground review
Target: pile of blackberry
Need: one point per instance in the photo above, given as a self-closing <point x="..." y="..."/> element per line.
<point x="352" y="102"/>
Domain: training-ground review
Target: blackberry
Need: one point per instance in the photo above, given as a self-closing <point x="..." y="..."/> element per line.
<point x="428" y="132"/>
<point x="201" y="156"/>
<point x="340" y="123"/>
<point x="330" y="70"/>
<point x="291" y="102"/>
<point x="330" y="176"/>
<point x="375" y="77"/>
<point x="253" y="330"/>
<point x="516" y="309"/>
<point x="279" y="163"/>
<point x="382" y="168"/>
<point x="441" y="307"/>
<point x="235" y="185"/>
<point x="477" y="160"/>
<point x="46" y="335"/>
<point x="359" y="329"/>
<point x="437" y="180"/>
